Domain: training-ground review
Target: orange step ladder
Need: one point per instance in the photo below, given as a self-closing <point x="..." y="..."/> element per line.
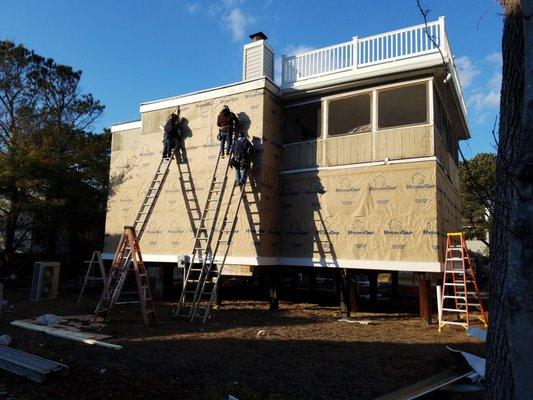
<point x="460" y="300"/>
<point x="128" y="253"/>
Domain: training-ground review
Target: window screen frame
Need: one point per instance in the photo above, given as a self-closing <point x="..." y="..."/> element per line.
<point x="320" y="124"/>
<point x="429" y="104"/>
<point x="370" y="93"/>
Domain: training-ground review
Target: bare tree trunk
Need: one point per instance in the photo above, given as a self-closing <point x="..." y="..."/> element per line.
<point x="510" y="347"/>
<point x="9" y="238"/>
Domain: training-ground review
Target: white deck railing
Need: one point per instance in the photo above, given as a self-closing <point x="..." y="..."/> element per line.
<point x="387" y="47"/>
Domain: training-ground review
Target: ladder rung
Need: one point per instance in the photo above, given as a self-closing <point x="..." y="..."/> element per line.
<point x="454" y="284"/>
<point x="453" y="323"/>
<point x="453" y="310"/>
<point x="453" y="297"/>
<point x="454" y="259"/>
<point x="454" y="271"/>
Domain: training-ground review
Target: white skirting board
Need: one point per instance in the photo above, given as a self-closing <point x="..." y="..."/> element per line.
<point x="411" y="266"/>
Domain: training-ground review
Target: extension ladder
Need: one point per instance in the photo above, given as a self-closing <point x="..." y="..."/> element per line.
<point x="128" y="251"/>
<point x="139" y="225"/>
<point x="89" y="277"/>
<point x="206" y="293"/>
<point x="188" y="190"/>
<point x="203" y="250"/>
<point x="460" y="300"/>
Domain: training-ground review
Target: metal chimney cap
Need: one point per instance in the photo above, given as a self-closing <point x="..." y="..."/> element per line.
<point x="258" y="36"/>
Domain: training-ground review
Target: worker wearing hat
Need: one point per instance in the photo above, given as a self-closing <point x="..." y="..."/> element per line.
<point x="227" y="122"/>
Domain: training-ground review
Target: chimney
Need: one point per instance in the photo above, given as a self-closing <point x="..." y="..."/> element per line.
<point x="258" y="58"/>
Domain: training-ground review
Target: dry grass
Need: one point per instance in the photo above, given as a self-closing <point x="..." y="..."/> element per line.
<point x="303" y="352"/>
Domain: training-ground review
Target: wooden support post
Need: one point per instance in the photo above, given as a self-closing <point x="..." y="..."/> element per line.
<point x="294" y="279"/>
<point x="424" y="294"/>
<point x="344" y="293"/>
<point x="163" y="281"/>
<point x="273" y="283"/>
<point x="394" y="285"/>
<point x="373" y="287"/>
<point x="353" y="291"/>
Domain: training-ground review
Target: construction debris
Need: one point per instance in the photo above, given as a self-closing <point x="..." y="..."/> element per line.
<point x="28" y="365"/>
<point x="48" y="320"/>
<point x="67" y="332"/>
<point x="478" y="333"/>
<point x="5" y="340"/>
<point x="355" y="321"/>
<point x="429" y="385"/>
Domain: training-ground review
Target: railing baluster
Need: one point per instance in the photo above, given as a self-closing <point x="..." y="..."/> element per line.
<point x="377" y="49"/>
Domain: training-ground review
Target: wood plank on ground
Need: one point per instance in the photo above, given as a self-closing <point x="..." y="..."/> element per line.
<point x="29" y="365"/>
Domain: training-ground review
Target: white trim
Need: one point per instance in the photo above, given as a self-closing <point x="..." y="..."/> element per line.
<point x="375" y="88"/>
<point x="221" y="91"/>
<point x="361" y="74"/>
<point x="414" y="266"/>
<point x="126" y="126"/>
<point x="174" y="258"/>
<point x="359" y="165"/>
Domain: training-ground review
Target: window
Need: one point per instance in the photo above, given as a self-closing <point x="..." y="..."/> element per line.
<point x="303" y="122"/>
<point x="405" y="105"/>
<point x="349" y="115"/>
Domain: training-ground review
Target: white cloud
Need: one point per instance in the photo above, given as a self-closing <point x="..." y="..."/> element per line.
<point x="495" y="82"/>
<point x="494" y="58"/>
<point x="467" y="70"/>
<point x="292" y="49"/>
<point x="193" y="8"/>
<point x="237" y="22"/>
<point x="232" y="16"/>
<point x="483" y="100"/>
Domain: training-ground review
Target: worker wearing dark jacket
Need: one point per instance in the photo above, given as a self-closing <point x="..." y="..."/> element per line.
<point x="171" y="135"/>
<point x="227" y="123"/>
<point x="242" y="154"/>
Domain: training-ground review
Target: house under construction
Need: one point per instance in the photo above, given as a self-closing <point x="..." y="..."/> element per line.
<point x="355" y="166"/>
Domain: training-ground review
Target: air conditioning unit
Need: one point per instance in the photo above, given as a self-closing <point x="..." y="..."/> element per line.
<point x="45" y="280"/>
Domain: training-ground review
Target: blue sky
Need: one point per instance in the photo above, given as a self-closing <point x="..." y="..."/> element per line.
<point x="135" y="51"/>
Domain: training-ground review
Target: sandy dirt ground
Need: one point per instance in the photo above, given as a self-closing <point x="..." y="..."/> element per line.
<point x="301" y="351"/>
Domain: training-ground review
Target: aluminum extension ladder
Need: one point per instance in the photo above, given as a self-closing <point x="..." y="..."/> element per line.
<point x="128" y="251"/>
<point x="202" y="278"/>
<point x="460" y="300"/>
<point x="139" y="225"/>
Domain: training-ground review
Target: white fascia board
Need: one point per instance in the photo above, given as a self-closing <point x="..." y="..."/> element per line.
<point x="362" y="73"/>
<point x="208" y="94"/>
<point x="411" y="266"/>
<point x="174" y="258"/>
<point x="359" y="165"/>
<point x="414" y="266"/>
<point x="126" y="126"/>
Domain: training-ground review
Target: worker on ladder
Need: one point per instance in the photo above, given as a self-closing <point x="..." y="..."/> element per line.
<point x="227" y="123"/>
<point x="171" y="135"/>
<point x="242" y="154"/>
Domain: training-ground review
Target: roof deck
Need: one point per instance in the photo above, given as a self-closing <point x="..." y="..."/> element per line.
<point x="404" y="49"/>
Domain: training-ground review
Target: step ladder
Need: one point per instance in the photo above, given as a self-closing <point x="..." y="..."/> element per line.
<point x="139" y="226"/>
<point x="203" y="253"/>
<point x="460" y="300"/>
<point x="128" y="252"/>
<point x="89" y="276"/>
